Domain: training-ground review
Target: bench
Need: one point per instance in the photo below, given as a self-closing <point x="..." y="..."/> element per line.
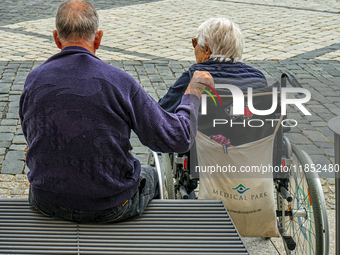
<point x="165" y="227"/>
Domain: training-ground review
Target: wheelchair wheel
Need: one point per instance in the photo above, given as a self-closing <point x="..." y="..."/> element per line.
<point x="161" y="162"/>
<point x="305" y="224"/>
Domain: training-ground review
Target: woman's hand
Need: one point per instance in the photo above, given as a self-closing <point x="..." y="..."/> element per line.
<point x="199" y="81"/>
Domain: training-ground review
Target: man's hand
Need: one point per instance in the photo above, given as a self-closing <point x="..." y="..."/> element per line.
<point x="199" y="81"/>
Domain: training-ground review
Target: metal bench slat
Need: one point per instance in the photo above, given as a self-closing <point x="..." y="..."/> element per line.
<point x="208" y="207"/>
<point x="24" y="251"/>
<point x="160" y="250"/>
<point x="221" y="212"/>
<point x="210" y="238"/>
<point x="96" y="241"/>
<point x="29" y="250"/>
<point x="42" y="240"/>
<point x="115" y="246"/>
<point x="173" y="221"/>
<point x="185" y="219"/>
<point x="185" y="216"/>
<point x="153" y="233"/>
<point x="31" y="236"/>
<point x="166" y="227"/>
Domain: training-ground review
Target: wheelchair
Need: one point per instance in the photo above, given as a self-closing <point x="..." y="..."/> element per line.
<point x="301" y="211"/>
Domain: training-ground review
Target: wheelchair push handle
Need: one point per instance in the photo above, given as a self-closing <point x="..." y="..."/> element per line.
<point x="291" y="79"/>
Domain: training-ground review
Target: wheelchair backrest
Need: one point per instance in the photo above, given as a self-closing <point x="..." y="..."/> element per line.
<point x="240" y="129"/>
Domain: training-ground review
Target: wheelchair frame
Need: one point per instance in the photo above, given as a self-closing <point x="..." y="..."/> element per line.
<point x="301" y="208"/>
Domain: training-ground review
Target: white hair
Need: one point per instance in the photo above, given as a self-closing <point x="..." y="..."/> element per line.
<point x="224" y="38"/>
<point x="77" y="20"/>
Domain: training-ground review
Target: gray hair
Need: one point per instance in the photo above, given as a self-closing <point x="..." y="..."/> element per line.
<point x="77" y="20"/>
<point x="224" y="38"/>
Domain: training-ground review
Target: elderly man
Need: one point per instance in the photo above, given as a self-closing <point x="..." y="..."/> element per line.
<point x="77" y="113"/>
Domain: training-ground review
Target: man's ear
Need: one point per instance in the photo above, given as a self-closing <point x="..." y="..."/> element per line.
<point x="98" y="39"/>
<point x="56" y="39"/>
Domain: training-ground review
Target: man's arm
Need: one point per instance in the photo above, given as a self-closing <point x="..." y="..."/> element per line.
<point x="169" y="132"/>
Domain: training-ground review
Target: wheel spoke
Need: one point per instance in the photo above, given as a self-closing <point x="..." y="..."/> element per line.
<point x="307" y="231"/>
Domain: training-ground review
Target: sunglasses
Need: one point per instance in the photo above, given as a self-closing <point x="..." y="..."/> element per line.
<point x="194" y="42"/>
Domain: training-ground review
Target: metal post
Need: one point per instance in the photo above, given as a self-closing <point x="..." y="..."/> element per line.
<point x="334" y="125"/>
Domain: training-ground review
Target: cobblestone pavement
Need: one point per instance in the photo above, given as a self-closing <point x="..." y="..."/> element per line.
<point x="151" y="40"/>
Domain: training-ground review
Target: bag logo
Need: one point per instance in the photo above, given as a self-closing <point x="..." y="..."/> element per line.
<point x="241" y="189"/>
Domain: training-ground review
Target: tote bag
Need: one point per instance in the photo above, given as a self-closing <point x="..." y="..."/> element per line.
<point x="248" y="196"/>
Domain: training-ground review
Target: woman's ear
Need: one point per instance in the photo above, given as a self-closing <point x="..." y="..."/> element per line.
<point x="207" y="51"/>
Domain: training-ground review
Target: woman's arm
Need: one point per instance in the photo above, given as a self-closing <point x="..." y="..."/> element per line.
<point x="173" y="97"/>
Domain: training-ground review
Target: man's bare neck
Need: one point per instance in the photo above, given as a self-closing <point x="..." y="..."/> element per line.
<point x="91" y="49"/>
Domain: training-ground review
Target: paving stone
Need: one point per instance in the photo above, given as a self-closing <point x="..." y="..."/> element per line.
<point x="316" y="106"/>
<point x="26" y="170"/>
<point x="298" y="138"/>
<point x="329" y="152"/>
<point x="19" y="155"/>
<point x="12" y="166"/>
<point x="149" y="89"/>
<point x="313" y="118"/>
<point x="6" y="177"/>
<point x="9" y="122"/>
<point x="12" y="116"/>
<point x="323" y="162"/>
<point x="5" y="144"/>
<point x="10" y="185"/>
<point x="13" y="107"/>
<point x="302" y="127"/>
<point x="21" y="178"/>
<point x="19" y="196"/>
<point x="6" y="136"/>
<point x="139" y="150"/>
<point x="18" y="147"/>
<point x="331" y="181"/>
<point x="7" y="129"/>
<point x="305" y="122"/>
<point x="335" y="111"/>
<point x="333" y="99"/>
<point x="319" y="124"/>
<point x="17" y="192"/>
<point x="2" y="151"/>
<point x="315" y="136"/>
<point x="19" y="139"/>
<point x="311" y="149"/>
<point x="327" y="117"/>
<point x="3" y="193"/>
<point x="325" y="190"/>
<point x="19" y="130"/>
<point x="17" y="88"/>
<point x="135" y="142"/>
<point x="14" y="98"/>
<point x="155" y="78"/>
<point x="325" y="130"/>
<point x="141" y="157"/>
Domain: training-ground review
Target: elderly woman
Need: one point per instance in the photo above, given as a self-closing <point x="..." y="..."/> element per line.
<point x="218" y="50"/>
